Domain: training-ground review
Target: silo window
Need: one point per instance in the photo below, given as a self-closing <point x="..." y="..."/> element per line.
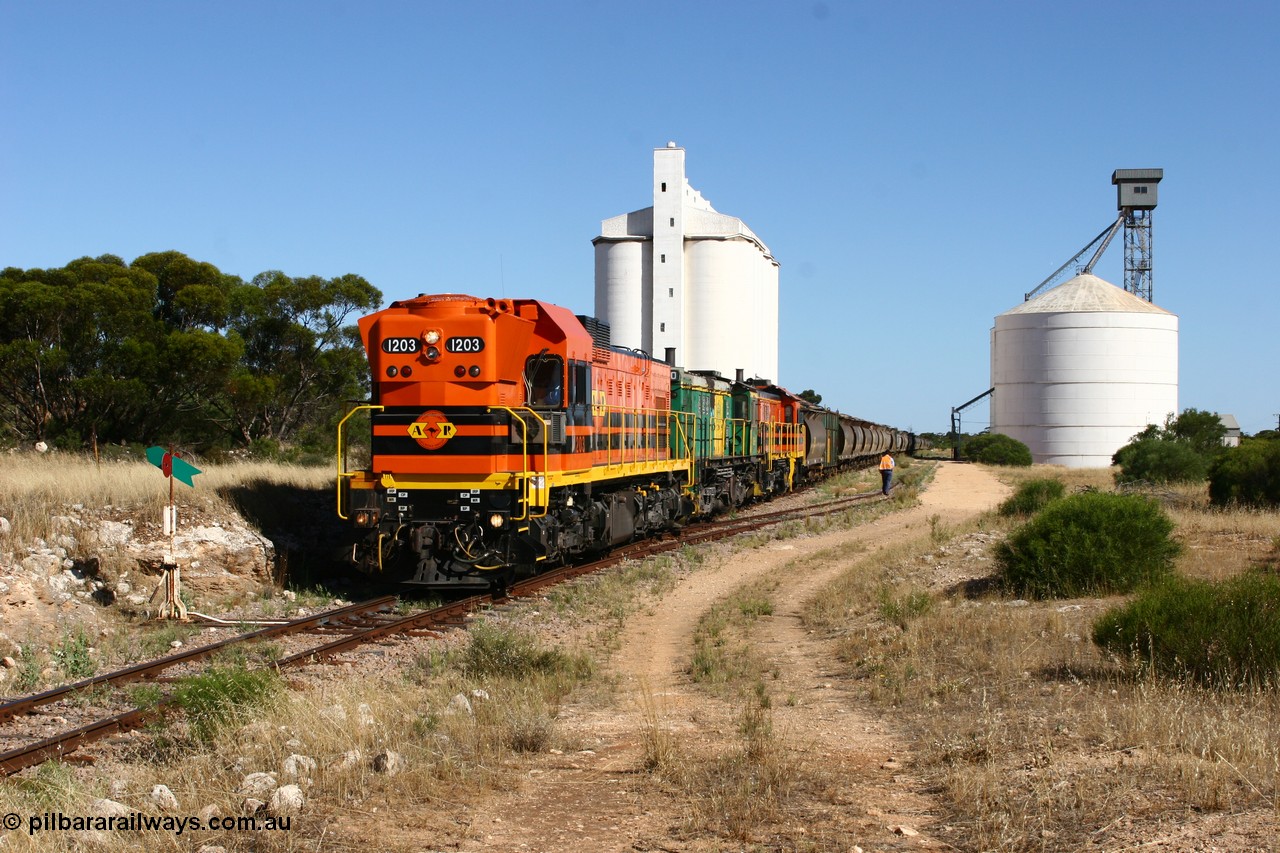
<point x="671" y="291"/>
<point x="664" y="186"/>
<point x="1140" y="190"/>
<point x="664" y="259"/>
<point x="673" y="219"/>
<point x="662" y="327"/>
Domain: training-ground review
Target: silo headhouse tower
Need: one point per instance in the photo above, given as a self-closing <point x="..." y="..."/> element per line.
<point x="686" y="283"/>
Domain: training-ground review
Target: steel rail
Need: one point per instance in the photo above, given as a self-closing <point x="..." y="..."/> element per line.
<point x="58" y="745"/>
<point x="707" y="532"/>
<point x="67" y="742"/>
<point x="448" y="615"/>
<point x="144" y="670"/>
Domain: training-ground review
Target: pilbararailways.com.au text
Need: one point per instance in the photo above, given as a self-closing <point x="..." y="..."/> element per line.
<point x="138" y="821"/>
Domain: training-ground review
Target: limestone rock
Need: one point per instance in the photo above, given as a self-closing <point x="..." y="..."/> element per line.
<point x="164" y="798"/>
<point x="388" y="762"/>
<point x="288" y="800"/>
<point x="257" y="785"/>
<point x="108" y="808"/>
<point x="296" y="766"/>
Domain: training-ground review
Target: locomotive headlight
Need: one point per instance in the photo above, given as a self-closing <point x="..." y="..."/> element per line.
<point x="433" y="354"/>
<point x="496" y="520"/>
<point x="432" y="336"/>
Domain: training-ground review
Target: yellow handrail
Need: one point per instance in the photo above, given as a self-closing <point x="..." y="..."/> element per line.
<point x="638" y="442"/>
<point x="526" y="475"/>
<point x="342" y="472"/>
<point x="685" y="443"/>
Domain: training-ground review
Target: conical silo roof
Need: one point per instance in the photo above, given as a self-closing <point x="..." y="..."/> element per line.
<point x="1086" y="292"/>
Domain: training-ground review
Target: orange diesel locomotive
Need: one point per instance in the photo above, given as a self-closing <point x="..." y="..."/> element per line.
<point x="508" y="435"/>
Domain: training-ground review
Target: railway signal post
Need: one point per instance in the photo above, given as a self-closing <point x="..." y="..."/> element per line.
<point x="171" y="577"/>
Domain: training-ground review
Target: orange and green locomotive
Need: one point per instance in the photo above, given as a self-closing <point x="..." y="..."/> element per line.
<point x="509" y="435"/>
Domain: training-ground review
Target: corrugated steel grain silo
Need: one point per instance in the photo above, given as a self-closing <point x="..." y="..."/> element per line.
<point x="1078" y="370"/>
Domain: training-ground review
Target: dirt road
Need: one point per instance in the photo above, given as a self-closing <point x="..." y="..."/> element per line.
<point x="859" y="793"/>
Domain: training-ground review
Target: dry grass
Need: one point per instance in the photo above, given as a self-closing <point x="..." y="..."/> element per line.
<point x="36" y="489"/>
<point x="1035" y="738"/>
<point x="733" y="790"/>
<point x="444" y="753"/>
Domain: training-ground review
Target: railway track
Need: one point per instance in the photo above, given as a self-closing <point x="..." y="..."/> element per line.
<point x="339" y="630"/>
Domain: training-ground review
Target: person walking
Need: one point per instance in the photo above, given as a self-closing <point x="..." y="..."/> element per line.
<point x="886" y="472"/>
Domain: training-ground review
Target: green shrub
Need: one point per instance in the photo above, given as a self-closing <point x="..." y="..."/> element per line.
<point x="995" y="448"/>
<point x="1220" y="634"/>
<point x="1032" y="496"/>
<point x="73" y="657"/>
<point x="496" y="651"/>
<point x="1158" y="461"/>
<point x="1088" y="544"/>
<point x="900" y="610"/>
<point x="223" y="695"/>
<point x="1248" y="474"/>
<point x="1201" y="429"/>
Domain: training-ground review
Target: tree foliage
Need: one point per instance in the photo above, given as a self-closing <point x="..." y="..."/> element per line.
<point x="1248" y="474"/>
<point x="1158" y="460"/>
<point x="172" y="349"/>
<point x="1180" y="451"/>
<point x="995" y="448"/>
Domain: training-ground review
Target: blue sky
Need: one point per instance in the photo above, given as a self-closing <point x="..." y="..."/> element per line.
<point x="915" y="167"/>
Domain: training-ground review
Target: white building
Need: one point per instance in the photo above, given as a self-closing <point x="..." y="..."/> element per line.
<point x="681" y="280"/>
<point x="1080" y="369"/>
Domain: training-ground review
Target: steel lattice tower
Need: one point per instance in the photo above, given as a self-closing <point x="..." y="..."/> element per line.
<point x="1136" y="198"/>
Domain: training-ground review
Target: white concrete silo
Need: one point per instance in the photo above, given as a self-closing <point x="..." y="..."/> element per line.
<point x="1078" y="370"/>
<point x="624" y="289"/>
<point x="681" y="277"/>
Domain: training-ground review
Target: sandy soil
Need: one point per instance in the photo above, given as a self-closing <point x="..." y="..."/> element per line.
<point x="600" y="799"/>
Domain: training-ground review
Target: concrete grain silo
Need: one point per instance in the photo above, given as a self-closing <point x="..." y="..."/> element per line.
<point x="682" y="278"/>
<point x="1078" y="370"/>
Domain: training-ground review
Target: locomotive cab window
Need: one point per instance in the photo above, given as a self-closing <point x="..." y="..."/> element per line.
<point x="579" y="383"/>
<point x="544" y="380"/>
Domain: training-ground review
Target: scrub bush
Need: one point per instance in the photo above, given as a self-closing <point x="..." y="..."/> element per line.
<point x="1248" y="474"/>
<point x="498" y="651"/>
<point x="1219" y="634"/>
<point x="223" y="696"/>
<point x="1157" y="461"/>
<point x="995" y="448"/>
<point x="1032" y="496"/>
<point x="1179" y="452"/>
<point x="1088" y="544"/>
